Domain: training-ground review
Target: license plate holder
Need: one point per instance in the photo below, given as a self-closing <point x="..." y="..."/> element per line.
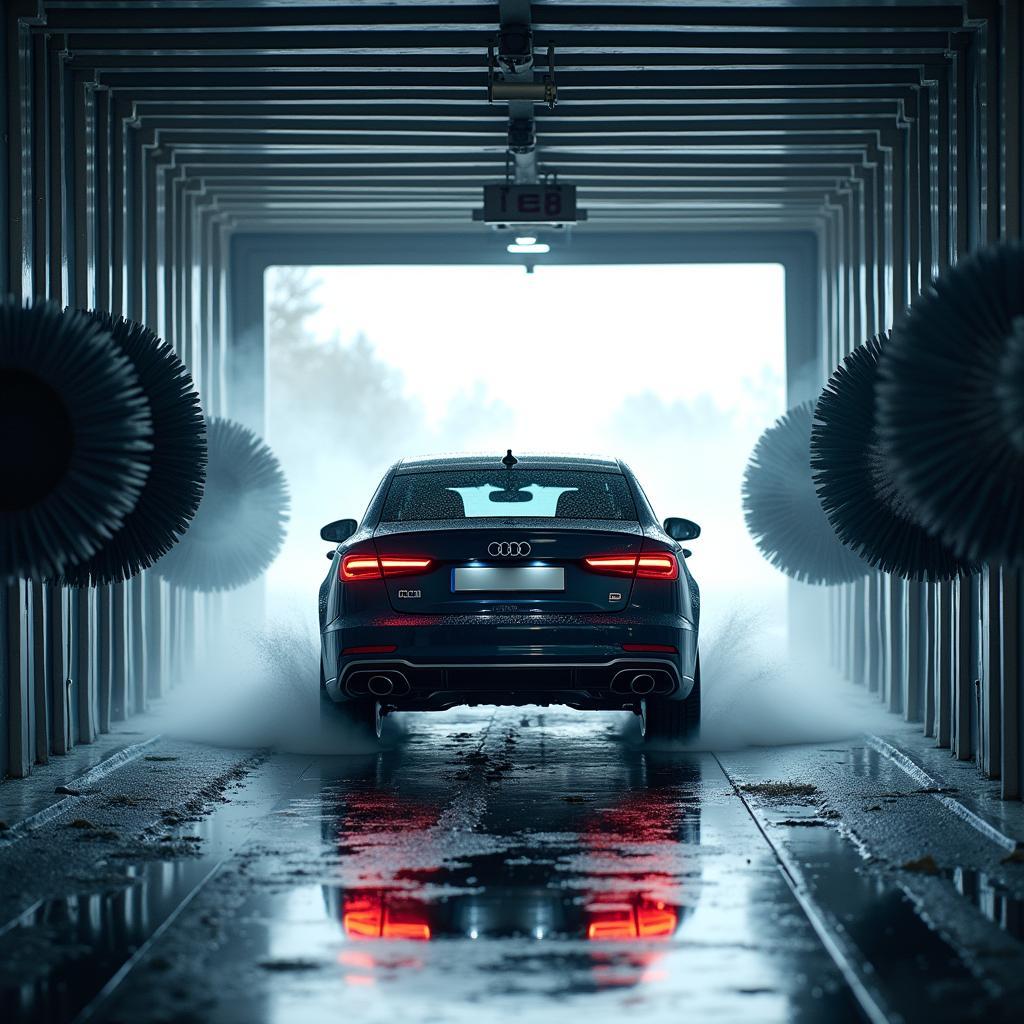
<point x="506" y="579"/>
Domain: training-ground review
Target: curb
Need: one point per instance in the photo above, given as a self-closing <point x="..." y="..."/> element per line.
<point x="926" y="780"/>
<point x="95" y="774"/>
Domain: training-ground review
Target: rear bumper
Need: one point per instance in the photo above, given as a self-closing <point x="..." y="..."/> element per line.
<point x="574" y="661"/>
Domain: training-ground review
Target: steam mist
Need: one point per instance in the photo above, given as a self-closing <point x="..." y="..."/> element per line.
<point x="260" y="689"/>
<point x="661" y="366"/>
<point x="757" y="694"/>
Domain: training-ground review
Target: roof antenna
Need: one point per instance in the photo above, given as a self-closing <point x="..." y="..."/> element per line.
<point x="510" y="460"/>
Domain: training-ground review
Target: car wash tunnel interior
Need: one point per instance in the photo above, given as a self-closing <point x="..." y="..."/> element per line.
<point x="723" y="723"/>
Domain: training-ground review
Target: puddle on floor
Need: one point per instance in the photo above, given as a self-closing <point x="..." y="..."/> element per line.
<point x="905" y="962"/>
<point x="992" y="898"/>
<point x="70" y="947"/>
<point x="84" y="939"/>
<point x="516" y="873"/>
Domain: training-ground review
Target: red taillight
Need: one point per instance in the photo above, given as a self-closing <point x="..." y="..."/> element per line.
<point x="658" y="565"/>
<point x="614" y="565"/>
<point x="646" y="648"/>
<point x="650" y="565"/>
<point x="370" y="567"/>
<point x="359" y="567"/>
<point x="370" y="649"/>
<point x="403" y="566"/>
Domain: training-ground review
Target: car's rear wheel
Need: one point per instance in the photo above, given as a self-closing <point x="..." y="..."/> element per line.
<point x="672" y="719"/>
<point x="364" y="718"/>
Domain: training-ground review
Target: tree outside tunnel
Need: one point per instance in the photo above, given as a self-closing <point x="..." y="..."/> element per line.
<point x="674" y="368"/>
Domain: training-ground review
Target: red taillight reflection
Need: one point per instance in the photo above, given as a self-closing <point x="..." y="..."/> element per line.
<point x="612" y="924"/>
<point x="641" y="921"/>
<point x="405" y="929"/>
<point x="369" y="917"/>
<point x="370" y="567"/>
<point x="656" y="922"/>
<point x="363" y="922"/>
<point x="653" y="565"/>
<point x="647" y="648"/>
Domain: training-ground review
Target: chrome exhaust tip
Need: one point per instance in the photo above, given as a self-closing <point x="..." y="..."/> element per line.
<point x="642" y="683"/>
<point x="380" y="686"/>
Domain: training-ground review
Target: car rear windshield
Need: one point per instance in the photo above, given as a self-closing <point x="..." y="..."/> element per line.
<point x="508" y="493"/>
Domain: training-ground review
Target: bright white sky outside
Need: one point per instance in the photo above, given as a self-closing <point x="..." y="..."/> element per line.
<point x="674" y="368"/>
<point x="563" y="344"/>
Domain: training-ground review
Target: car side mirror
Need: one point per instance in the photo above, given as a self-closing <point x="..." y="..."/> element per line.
<point x="681" y="529"/>
<point x="338" y="531"/>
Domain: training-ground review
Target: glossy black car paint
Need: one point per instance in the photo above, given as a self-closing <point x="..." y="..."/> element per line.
<point x="508" y="648"/>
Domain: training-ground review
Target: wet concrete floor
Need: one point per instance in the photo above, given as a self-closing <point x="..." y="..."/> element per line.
<point x="520" y="863"/>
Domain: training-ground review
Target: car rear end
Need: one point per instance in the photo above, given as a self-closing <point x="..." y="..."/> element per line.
<point x="545" y="582"/>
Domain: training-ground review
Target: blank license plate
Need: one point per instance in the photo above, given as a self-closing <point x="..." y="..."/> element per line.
<point x="531" y="577"/>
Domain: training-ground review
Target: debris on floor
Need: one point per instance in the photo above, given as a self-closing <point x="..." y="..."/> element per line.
<point x="781" y="790"/>
<point x="923" y="865"/>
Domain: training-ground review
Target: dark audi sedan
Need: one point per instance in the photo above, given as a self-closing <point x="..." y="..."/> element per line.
<point x="541" y="579"/>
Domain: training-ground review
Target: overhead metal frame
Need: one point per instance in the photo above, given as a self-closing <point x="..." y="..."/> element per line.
<point x="363" y="115"/>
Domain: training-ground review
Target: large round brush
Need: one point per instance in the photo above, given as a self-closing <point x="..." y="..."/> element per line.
<point x="239" y="527"/>
<point x="854" y="480"/>
<point x="950" y="405"/>
<point x="782" y="510"/>
<point x="177" y="463"/>
<point x="76" y="433"/>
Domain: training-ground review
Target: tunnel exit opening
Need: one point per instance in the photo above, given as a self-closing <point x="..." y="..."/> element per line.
<point x="674" y="367"/>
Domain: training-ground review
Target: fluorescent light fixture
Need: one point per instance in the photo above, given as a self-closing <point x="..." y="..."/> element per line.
<point x="526" y="240"/>
<point x="536" y="247"/>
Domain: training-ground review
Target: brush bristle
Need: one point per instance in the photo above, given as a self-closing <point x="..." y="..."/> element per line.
<point x="177" y="463"/>
<point x="853" y="477"/>
<point x="951" y="406"/>
<point x="240" y="525"/>
<point x="77" y="435"/>
<point x="782" y="510"/>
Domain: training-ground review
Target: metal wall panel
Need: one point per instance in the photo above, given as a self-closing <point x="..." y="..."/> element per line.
<point x="73" y="662"/>
<point x="953" y="648"/>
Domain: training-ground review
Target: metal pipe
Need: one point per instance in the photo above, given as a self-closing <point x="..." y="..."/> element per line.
<point x="642" y="683"/>
<point x="380" y="686"/>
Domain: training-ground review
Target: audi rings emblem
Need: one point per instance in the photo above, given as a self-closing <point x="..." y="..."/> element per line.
<point x="508" y="549"/>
